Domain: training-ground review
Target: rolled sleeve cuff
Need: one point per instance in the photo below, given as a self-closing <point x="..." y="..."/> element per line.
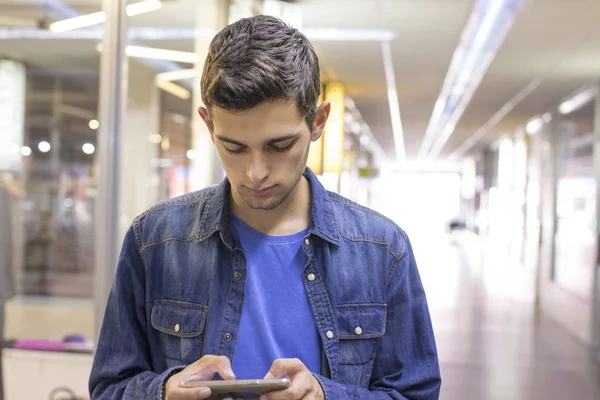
<point x="331" y="390"/>
<point x="161" y="387"/>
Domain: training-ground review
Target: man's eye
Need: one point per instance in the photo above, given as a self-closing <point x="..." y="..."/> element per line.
<point x="283" y="149"/>
<point x="236" y="150"/>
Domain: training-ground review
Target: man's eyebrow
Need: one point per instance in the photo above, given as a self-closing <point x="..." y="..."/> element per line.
<point x="284" y="138"/>
<point x="226" y="140"/>
<point x="271" y="141"/>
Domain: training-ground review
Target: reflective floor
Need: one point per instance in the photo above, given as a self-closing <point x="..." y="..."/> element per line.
<point x="491" y="343"/>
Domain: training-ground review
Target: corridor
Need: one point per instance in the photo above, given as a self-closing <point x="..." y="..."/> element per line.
<point x="491" y="343"/>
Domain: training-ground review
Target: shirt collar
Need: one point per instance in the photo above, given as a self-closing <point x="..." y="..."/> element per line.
<point x="215" y="216"/>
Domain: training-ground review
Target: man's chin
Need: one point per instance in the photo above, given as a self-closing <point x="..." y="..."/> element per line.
<point x="265" y="205"/>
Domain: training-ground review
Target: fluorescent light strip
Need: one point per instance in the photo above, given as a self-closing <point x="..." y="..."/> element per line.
<point x="142" y="7"/>
<point x="158" y="54"/>
<point x="534" y="125"/>
<point x="161" y="54"/>
<point x="469" y="64"/>
<point x="374" y="143"/>
<point x="393" y="102"/>
<point x="78" y="22"/>
<point x="174" y="89"/>
<point x="326" y="34"/>
<point x="177" y="75"/>
<point x="579" y="100"/>
<point x="99" y="17"/>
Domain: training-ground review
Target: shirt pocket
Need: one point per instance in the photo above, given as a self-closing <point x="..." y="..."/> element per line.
<point x="359" y="328"/>
<point x="180" y="325"/>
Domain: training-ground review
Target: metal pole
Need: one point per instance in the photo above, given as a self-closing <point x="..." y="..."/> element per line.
<point x="596" y="291"/>
<point x="113" y="97"/>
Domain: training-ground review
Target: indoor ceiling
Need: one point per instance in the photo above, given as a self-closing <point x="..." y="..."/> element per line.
<point x="557" y="41"/>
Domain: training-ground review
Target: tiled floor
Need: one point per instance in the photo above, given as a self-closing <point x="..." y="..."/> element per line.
<point x="491" y="343"/>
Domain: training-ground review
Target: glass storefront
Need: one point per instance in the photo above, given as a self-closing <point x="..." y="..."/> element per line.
<point x="575" y="241"/>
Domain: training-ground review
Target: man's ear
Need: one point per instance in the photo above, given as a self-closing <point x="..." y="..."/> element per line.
<point x="203" y="112"/>
<point x="321" y="115"/>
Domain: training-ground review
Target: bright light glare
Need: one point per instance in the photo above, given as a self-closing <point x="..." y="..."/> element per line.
<point x="78" y="22"/>
<point x="142" y="7"/>
<point x="578" y="101"/>
<point x="191" y="154"/>
<point x="88" y="148"/>
<point x="100" y="16"/>
<point x="174" y="89"/>
<point x="44" y="147"/>
<point x="155" y="138"/>
<point x="94" y="124"/>
<point x="161" y="54"/>
<point x="534" y="125"/>
<point x="26" y="151"/>
<point x="547" y="118"/>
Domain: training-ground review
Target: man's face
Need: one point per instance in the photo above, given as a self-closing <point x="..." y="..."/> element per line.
<point x="264" y="150"/>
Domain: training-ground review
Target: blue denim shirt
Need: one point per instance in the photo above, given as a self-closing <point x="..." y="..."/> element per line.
<point x="179" y="290"/>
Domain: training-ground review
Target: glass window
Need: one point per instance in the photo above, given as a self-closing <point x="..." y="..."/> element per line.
<point x="575" y="258"/>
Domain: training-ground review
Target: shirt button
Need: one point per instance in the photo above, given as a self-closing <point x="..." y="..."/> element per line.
<point x="227" y="337"/>
<point x="177" y="328"/>
<point x="306" y="241"/>
<point x="358" y="330"/>
<point x="237" y="276"/>
<point x="311" y="277"/>
<point x="329" y="335"/>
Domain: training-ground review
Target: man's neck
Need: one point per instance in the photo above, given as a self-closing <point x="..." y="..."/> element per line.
<point x="291" y="216"/>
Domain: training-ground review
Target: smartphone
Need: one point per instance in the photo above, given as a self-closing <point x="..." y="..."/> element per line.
<point x="254" y="386"/>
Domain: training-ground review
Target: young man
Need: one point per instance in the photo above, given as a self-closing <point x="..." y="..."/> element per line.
<point x="266" y="274"/>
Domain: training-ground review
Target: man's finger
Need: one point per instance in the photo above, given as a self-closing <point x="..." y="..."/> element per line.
<point x="190" y="394"/>
<point x="285" y="366"/>
<point x="212" y="364"/>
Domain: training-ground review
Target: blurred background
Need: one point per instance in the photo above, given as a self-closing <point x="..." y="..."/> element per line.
<point x="473" y="124"/>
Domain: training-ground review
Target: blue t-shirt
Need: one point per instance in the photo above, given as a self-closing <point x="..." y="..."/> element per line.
<point x="276" y="321"/>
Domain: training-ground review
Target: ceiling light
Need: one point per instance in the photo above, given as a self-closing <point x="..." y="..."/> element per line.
<point x="178" y="75"/>
<point x="165" y="144"/>
<point x="534" y="125"/>
<point x="161" y="54"/>
<point x="487" y="27"/>
<point x="94" y="124"/>
<point x="547" y="118"/>
<point x="578" y="100"/>
<point x="327" y="34"/>
<point x="155" y="138"/>
<point x="78" y="22"/>
<point x="175" y="90"/>
<point x="393" y="102"/>
<point x="100" y="16"/>
<point x="26" y="151"/>
<point x="44" y="147"/>
<point x="191" y="154"/>
<point x="142" y="7"/>
<point x="88" y="148"/>
<point x="364" y="140"/>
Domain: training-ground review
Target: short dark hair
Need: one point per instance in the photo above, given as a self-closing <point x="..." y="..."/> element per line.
<point x="261" y="59"/>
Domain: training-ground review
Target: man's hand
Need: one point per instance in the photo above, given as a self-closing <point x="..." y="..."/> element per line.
<point x="202" y="370"/>
<point x="304" y="384"/>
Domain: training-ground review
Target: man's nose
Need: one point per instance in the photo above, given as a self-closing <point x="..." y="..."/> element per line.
<point x="257" y="169"/>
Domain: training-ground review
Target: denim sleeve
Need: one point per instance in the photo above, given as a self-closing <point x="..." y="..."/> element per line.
<point x="406" y="365"/>
<point x="122" y="365"/>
